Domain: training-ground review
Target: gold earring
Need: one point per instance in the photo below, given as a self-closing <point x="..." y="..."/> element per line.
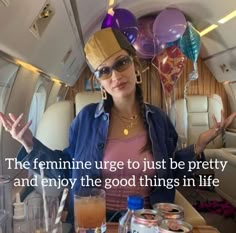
<point x="138" y="77"/>
<point x="104" y="93"/>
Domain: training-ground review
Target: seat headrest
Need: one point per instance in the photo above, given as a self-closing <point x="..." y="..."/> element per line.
<point x="197" y="104"/>
<point x="193" y="115"/>
<point x="84" y="98"/>
<point x="53" y="128"/>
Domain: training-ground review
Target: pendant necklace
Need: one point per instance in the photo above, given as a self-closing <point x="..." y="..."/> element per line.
<point x="128" y="122"/>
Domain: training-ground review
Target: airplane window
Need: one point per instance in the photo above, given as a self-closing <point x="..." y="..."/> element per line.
<point x="37" y="106"/>
<point x="8" y="73"/>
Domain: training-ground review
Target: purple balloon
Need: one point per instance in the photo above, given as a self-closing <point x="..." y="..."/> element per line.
<point x="106" y="23"/>
<point x="169" y="25"/>
<point x="145" y="44"/>
<point x="124" y="21"/>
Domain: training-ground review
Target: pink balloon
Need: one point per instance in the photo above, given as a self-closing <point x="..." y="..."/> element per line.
<point x="169" y="25"/>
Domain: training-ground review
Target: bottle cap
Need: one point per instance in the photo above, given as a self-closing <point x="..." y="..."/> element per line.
<point x="135" y="202"/>
<point x="19" y="208"/>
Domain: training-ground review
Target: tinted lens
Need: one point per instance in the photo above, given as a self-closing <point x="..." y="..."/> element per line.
<point x="122" y="64"/>
<point x="103" y="73"/>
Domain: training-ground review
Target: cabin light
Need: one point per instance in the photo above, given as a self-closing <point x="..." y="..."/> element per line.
<point x="111" y="2"/>
<point x="46" y="12"/>
<point x="56" y="80"/>
<point x="27" y="66"/>
<point x="227" y="17"/>
<point x="110" y="11"/>
<point x="207" y="30"/>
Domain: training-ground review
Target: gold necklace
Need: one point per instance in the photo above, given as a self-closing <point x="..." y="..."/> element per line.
<point x="127" y="125"/>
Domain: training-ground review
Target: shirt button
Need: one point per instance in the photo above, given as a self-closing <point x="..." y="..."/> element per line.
<point x="100" y="146"/>
<point x="105" y="117"/>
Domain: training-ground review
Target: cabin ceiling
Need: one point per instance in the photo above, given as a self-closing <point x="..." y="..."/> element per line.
<point x="59" y="51"/>
<point x="217" y="47"/>
<point x="202" y="13"/>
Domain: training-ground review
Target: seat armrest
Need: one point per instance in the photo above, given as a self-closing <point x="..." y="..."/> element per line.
<point x="224" y="154"/>
<point x="190" y="214"/>
<point x="227" y="187"/>
<point x="230" y="138"/>
<point x="230" y="150"/>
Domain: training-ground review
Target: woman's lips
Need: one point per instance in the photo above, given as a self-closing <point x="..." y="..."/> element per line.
<point x="119" y="86"/>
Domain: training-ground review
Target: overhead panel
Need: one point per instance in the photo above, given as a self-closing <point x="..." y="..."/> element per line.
<point x="47" y="47"/>
<point x="4" y="2"/>
<point x="223" y="66"/>
<point x="91" y="14"/>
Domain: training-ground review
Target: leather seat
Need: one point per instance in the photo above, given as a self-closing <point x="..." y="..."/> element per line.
<point x="192" y="116"/>
<point x="53" y="131"/>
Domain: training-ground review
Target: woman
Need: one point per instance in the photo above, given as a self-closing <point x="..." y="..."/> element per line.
<point x="120" y="128"/>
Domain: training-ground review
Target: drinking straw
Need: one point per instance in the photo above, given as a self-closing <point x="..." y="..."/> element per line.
<point x="60" y="209"/>
<point x="44" y="201"/>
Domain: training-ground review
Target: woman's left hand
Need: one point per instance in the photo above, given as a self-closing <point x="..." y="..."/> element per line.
<point x="207" y="136"/>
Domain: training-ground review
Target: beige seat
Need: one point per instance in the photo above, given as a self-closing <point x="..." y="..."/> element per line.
<point x="192" y="116"/>
<point x="84" y="98"/>
<point x="53" y="127"/>
<point x="53" y="131"/>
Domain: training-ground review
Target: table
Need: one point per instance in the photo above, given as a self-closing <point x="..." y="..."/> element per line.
<point x="112" y="228"/>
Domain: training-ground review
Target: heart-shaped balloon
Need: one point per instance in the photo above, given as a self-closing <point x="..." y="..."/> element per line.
<point x="169" y="63"/>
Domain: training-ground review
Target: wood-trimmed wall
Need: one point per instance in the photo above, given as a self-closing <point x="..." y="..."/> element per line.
<point x="206" y="84"/>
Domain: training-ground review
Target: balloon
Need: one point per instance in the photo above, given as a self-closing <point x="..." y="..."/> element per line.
<point x="124" y="21"/>
<point x="190" y="42"/>
<point x="145" y="44"/>
<point x="170" y="64"/>
<point x="106" y="23"/>
<point x="169" y="25"/>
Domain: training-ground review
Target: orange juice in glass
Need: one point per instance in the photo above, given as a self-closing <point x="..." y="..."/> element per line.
<point x="90" y="210"/>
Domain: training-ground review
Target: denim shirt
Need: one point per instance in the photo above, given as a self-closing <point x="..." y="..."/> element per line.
<point x="87" y="140"/>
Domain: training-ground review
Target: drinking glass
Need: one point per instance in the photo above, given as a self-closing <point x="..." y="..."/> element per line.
<point x="90" y="210"/>
<point x="38" y="220"/>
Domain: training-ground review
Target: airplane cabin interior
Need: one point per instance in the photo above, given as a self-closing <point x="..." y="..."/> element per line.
<point x="44" y="75"/>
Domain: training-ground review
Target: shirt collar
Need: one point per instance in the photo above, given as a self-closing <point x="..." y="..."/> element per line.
<point x="100" y="109"/>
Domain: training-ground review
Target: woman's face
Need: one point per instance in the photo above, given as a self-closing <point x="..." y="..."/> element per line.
<point x="117" y="75"/>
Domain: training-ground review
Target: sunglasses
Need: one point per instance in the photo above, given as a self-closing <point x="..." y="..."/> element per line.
<point x="120" y="65"/>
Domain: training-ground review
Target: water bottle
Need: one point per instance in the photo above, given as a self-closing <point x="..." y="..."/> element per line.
<point x="134" y="203"/>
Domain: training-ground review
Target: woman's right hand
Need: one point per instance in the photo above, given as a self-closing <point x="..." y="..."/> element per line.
<point x="19" y="132"/>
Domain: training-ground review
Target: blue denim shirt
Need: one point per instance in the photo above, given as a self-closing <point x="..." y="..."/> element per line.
<point x="87" y="140"/>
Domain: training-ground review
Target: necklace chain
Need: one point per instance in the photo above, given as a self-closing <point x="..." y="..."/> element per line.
<point x="127" y="125"/>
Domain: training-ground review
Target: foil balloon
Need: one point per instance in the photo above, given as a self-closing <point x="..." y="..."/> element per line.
<point x="124" y="21"/>
<point x="170" y="64"/>
<point x="169" y="25"/>
<point x="145" y="44"/>
<point x="190" y="43"/>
